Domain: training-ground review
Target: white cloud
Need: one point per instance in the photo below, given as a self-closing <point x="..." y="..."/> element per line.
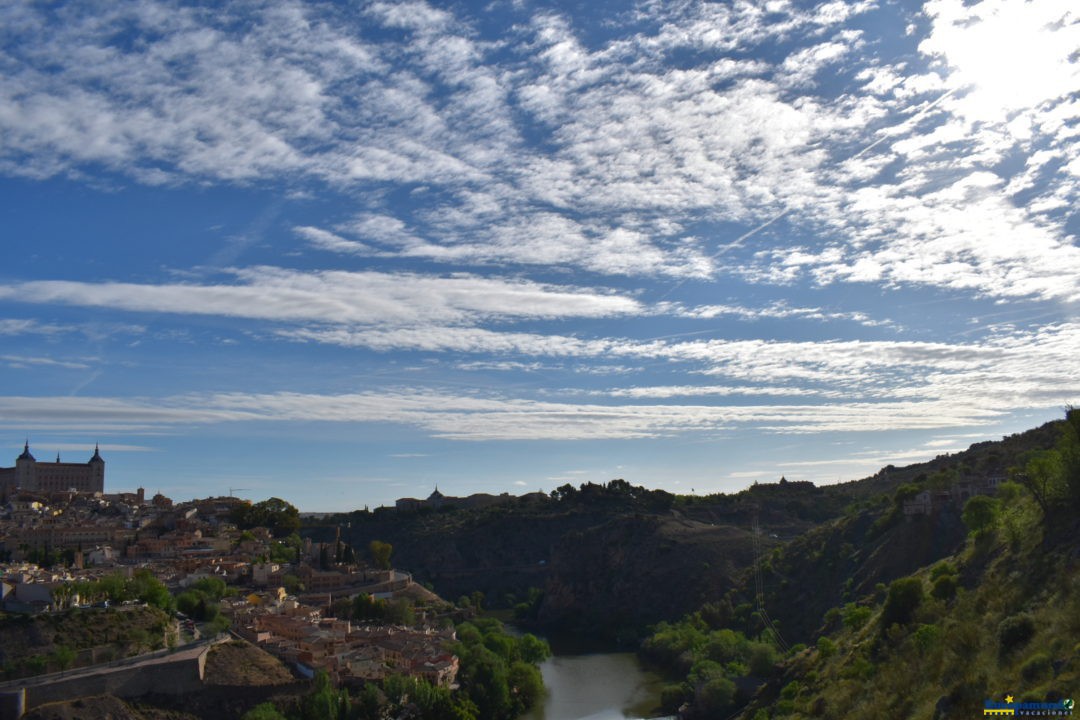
<point x="932" y="200"/>
<point x="483" y="417"/>
<point x="620" y="140"/>
<point x="21" y="361"/>
<point x="777" y="310"/>
<point x="278" y="294"/>
<point x="1009" y="54"/>
<point x="325" y="240"/>
<point x="19" y="326"/>
<point x="795" y="388"/>
<point x="1004" y="372"/>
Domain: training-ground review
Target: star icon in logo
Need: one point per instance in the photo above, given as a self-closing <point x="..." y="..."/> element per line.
<point x="1008" y="698"/>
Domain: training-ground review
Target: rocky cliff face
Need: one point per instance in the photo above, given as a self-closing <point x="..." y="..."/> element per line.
<point x="610" y="559"/>
<point x="616" y="578"/>
<point x="843" y="561"/>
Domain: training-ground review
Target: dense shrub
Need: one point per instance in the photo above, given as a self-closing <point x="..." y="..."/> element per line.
<point x="855" y="616"/>
<point x="905" y="596"/>
<point x="945" y="588"/>
<point x="860" y="669"/>
<point x="926" y="637"/>
<point x="725" y="645"/>
<point x="673" y="645"/>
<point x="1014" y="632"/>
<point x="942" y="569"/>
<point x="761" y="659"/>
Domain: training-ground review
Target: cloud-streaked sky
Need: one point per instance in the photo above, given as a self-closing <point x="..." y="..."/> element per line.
<point x="344" y="253"/>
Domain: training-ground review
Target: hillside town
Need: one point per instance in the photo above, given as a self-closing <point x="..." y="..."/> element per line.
<point x="278" y="589"/>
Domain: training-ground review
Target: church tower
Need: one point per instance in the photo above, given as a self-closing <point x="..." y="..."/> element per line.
<point x="97" y="472"/>
<point x="25" y="477"/>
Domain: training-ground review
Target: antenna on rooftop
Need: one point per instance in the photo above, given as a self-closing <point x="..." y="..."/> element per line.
<point x="233" y="491"/>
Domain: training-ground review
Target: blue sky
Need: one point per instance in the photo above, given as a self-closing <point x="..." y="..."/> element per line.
<point x="341" y="253"/>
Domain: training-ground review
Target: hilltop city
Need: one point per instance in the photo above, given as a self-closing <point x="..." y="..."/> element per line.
<point x="785" y="599"/>
<point x="63" y="537"/>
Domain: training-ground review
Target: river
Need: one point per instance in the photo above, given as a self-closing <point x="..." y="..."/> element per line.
<point x="597" y="686"/>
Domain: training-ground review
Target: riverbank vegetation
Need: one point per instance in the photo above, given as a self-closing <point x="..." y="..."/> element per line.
<point x="720" y="667"/>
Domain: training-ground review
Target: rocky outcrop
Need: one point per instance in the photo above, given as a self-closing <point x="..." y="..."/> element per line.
<point x="616" y="578"/>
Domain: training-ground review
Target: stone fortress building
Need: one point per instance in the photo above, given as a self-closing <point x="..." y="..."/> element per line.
<point x="49" y="477"/>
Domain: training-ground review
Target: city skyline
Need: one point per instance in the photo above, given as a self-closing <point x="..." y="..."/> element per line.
<point x="343" y="255"/>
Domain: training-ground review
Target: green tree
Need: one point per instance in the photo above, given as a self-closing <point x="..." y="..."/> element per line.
<point x="366" y="607"/>
<point x="368" y="703"/>
<point x="380" y="553"/>
<point x="292" y="584"/>
<point x="286" y="550"/>
<point x="1042" y="475"/>
<point x="532" y="649"/>
<point x="498" y="674"/>
<point x="400" y="612"/>
<point x="280" y="517"/>
<point x="198" y="605"/>
<point x="213" y="587"/>
<point x="323" y="702"/>
<point x="714" y="697"/>
<point x="526" y="685"/>
<point x="148" y="589"/>
<point x="487" y="683"/>
<point x="905" y="492"/>
<point x="112" y="587"/>
<point x="1053" y="476"/>
<point x="980" y="514"/>
<point x="502" y="645"/>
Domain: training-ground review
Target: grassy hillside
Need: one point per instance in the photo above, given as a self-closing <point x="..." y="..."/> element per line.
<point x="924" y="616"/>
<point x="1000" y="617"/>
<point x="51" y="642"/>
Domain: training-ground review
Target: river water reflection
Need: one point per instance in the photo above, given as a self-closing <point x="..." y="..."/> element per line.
<point x="597" y="686"/>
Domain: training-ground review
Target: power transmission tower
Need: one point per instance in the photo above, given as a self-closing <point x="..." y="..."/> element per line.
<point x="759" y="589"/>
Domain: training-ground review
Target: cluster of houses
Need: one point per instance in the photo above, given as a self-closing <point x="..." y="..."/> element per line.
<point x="349" y="653"/>
<point x="126" y="523"/>
<point x="26" y="588"/>
<point x="930" y="501"/>
<point x="51" y="541"/>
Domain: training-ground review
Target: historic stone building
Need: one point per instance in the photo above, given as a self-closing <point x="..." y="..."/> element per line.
<point x="47" y="477"/>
